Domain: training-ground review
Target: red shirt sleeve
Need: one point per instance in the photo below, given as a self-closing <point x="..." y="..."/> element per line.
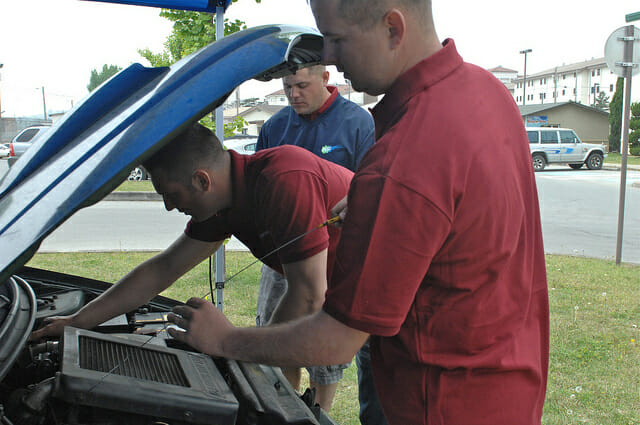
<point x="383" y="255"/>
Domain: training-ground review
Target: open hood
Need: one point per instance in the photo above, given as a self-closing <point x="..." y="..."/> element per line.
<point x="91" y="150"/>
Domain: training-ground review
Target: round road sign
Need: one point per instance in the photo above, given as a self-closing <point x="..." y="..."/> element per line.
<point x="614" y="51"/>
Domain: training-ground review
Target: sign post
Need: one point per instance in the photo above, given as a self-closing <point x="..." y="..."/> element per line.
<point x="621" y="52"/>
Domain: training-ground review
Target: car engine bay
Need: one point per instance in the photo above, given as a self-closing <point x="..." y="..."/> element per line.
<point x="127" y="370"/>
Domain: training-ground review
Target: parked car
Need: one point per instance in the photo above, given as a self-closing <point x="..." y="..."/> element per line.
<point x="128" y="370"/>
<point x="4" y="150"/>
<point x="243" y="144"/>
<point x="138" y="173"/>
<point x="23" y="140"/>
<point x="563" y="146"/>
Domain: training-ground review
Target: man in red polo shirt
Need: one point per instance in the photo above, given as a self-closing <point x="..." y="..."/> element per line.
<point x="441" y="258"/>
<point x="265" y="200"/>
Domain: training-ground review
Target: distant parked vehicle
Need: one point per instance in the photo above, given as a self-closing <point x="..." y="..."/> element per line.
<point x="243" y="144"/>
<point x="4" y="150"/>
<point x="22" y="141"/>
<point x="138" y="173"/>
<point x="563" y="146"/>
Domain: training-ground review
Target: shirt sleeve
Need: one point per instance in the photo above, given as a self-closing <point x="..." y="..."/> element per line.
<point x="298" y="206"/>
<point x="383" y="255"/>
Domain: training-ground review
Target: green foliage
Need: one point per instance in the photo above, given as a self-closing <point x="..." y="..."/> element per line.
<point x="98" y="78"/>
<point x="230" y="128"/>
<point x="191" y="32"/>
<point x="615" y="117"/>
<point x="602" y="101"/>
<point x="635" y="150"/>
<point x="634" y="125"/>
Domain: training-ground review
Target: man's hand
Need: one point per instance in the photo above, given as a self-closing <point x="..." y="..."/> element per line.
<point x="54" y="326"/>
<point x="204" y="326"/>
<point x="340" y="209"/>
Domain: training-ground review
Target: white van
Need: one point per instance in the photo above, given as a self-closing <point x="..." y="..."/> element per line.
<point x="562" y="145"/>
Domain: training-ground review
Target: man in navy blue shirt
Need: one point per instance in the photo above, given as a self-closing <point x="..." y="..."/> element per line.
<point x="336" y="129"/>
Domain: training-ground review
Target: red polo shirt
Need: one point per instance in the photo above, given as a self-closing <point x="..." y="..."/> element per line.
<point x="441" y="256"/>
<point x="279" y="194"/>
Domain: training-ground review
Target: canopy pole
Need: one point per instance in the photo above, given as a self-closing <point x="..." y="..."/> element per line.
<point x="220" y="257"/>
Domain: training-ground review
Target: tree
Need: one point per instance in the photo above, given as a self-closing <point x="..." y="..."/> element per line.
<point x="602" y="101"/>
<point x="98" y="78"/>
<point x="634" y="125"/>
<point x="191" y="32"/>
<point x="615" y="117"/>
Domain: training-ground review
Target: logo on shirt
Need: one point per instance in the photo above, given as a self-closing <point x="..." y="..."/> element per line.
<point x="326" y="149"/>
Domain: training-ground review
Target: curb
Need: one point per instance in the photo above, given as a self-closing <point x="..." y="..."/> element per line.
<point x="133" y="196"/>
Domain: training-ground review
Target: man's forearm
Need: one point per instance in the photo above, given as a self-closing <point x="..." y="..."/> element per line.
<point x="313" y="340"/>
<point x="132" y="291"/>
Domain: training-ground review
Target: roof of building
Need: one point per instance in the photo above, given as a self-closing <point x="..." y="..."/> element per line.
<point x="536" y="109"/>
<point x="570" y="68"/>
<point x="501" y="68"/>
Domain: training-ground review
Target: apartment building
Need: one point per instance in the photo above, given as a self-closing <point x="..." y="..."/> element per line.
<point x="578" y="82"/>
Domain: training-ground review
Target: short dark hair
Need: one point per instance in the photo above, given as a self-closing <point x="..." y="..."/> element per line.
<point x="365" y="13"/>
<point x="195" y="147"/>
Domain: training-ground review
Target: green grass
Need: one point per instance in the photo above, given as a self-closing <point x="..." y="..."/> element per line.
<point x="616" y="158"/>
<point x="594" y="375"/>
<point x="135" y="186"/>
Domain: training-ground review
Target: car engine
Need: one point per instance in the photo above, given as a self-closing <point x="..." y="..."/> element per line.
<point x="127" y="370"/>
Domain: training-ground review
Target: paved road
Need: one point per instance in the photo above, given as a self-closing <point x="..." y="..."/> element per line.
<point x="579" y="212"/>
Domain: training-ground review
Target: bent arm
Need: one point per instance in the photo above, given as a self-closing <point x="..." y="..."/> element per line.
<point x="138" y="286"/>
<point x="306" y="285"/>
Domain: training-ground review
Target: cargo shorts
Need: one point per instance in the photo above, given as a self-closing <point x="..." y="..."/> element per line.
<point x="273" y="285"/>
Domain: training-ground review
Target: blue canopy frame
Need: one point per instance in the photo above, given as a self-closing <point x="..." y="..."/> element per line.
<point x="210" y="6"/>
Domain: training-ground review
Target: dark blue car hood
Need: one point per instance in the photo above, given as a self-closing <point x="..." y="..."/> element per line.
<point x="90" y="151"/>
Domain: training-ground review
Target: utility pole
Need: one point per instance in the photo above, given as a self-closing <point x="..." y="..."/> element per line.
<point x="524" y="84"/>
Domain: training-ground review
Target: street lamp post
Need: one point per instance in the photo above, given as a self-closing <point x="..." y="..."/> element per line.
<point x="524" y="84"/>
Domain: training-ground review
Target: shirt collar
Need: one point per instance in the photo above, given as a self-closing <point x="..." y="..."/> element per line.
<point x="334" y="94"/>
<point x="419" y="78"/>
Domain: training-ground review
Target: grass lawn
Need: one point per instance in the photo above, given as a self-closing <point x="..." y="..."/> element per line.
<point x="594" y="375"/>
<point x="136" y="186"/>
<point x="616" y="158"/>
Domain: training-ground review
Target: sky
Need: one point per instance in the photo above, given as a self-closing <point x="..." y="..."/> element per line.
<point x="54" y="44"/>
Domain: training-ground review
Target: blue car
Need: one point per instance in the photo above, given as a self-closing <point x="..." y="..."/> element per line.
<point x="128" y="370"/>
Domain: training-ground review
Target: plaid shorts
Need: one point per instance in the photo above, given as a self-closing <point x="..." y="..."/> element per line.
<point x="273" y="285"/>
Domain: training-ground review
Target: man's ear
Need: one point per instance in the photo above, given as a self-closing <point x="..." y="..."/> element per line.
<point x="201" y="180"/>
<point x="325" y="78"/>
<point x="396" y="24"/>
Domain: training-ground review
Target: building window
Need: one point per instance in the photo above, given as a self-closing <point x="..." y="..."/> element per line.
<point x="593" y="72"/>
<point x="611" y="88"/>
<point x="564" y="76"/>
<point x="564" y="92"/>
<point x="574" y="91"/>
<point x="598" y="71"/>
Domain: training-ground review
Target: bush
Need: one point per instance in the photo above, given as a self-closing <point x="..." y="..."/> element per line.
<point x="635" y="150"/>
